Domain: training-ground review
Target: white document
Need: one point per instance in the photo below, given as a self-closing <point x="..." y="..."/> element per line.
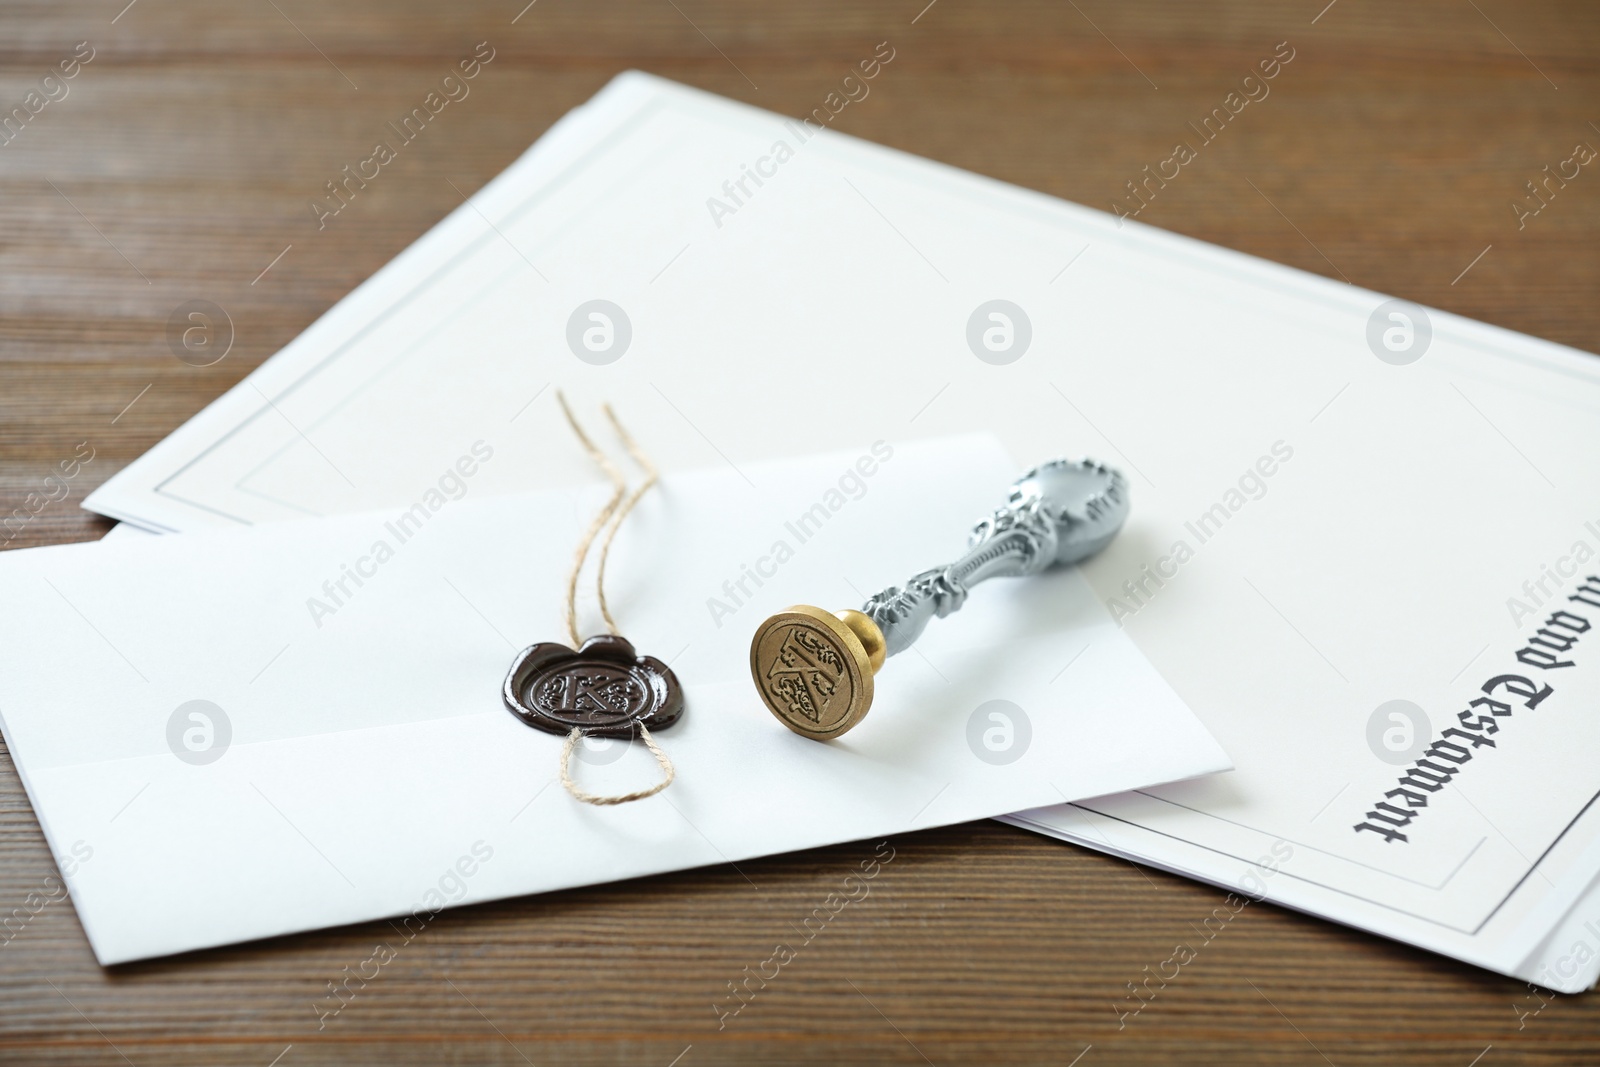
<point x="362" y="764"/>
<point x="1319" y="528"/>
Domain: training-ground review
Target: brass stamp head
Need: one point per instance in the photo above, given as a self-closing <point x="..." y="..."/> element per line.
<point x="814" y="669"/>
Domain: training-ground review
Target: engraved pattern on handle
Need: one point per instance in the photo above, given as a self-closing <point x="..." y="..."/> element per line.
<point x="1059" y="512"/>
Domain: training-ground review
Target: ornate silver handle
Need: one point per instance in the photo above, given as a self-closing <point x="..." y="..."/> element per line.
<point x="1059" y="512"/>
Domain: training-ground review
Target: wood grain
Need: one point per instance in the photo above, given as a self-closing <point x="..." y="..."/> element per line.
<point x="180" y="165"/>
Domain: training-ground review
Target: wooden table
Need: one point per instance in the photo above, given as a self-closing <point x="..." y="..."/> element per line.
<point x="180" y="165"/>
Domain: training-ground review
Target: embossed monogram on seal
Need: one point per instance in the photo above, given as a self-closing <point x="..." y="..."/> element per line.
<point x="603" y="688"/>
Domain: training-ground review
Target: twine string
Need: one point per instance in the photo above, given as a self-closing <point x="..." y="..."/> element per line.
<point x="622" y="513"/>
<point x="618" y="488"/>
<point x="608" y="519"/>
<point x="668" y="772"/>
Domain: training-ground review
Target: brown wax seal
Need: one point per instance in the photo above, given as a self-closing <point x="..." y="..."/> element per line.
<point x="603" y="689"/>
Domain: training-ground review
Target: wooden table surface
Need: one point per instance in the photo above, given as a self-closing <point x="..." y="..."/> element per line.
<point x="180" y="163"/>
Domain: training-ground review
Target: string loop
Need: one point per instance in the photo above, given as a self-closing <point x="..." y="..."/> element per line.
<point x="668" y="772"/>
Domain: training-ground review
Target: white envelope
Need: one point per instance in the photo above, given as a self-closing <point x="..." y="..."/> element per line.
<point x="354" y="759"/>
<point x="1361" y="486"/>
